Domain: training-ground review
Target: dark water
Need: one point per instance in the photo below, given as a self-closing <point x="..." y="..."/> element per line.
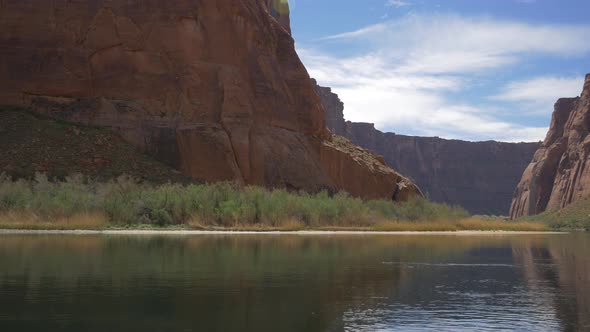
<point x="295" y="283"/>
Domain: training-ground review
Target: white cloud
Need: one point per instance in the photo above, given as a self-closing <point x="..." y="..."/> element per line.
<point x="451" y="43"/>
<point x="413" y="70"/>
<point x="369" y="30"/>
<point x="409" y="102"/>
<point x="539" y="94"/>
<point x="371" y="69"/>
<point x="397" y="3"/>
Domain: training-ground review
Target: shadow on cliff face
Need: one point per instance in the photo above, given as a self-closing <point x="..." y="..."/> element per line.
<point x="33" y="144"/>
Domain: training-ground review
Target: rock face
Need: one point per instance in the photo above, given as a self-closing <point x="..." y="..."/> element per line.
<point x="333" y="107"/>
<point x="213" y="88"/>
<point x="559" y="174"/>
<point x="335" y="157"/>
<point x="480" y="176"/>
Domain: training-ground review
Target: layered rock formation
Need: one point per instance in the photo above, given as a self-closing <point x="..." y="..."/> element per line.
<point x="333" y="107"/>
<point x="559" y="174"/>
<point x="479" y="176"/>
<point x="213" y="88"/>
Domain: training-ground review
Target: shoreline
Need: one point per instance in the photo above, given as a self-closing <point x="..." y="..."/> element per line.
<point x="229" y="232"/>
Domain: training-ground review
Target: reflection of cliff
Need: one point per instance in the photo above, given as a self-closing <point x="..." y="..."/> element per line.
<point x="480" y="176"/>
<point x="225" y="283"/>
<point x="289" y="283"/>
<point x="563" y="263"/>
<point x="573" y="271"/>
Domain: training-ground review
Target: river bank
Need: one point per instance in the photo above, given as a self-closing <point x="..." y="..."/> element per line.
<point x="96" y="223"/>
<point x="193" y="232"/>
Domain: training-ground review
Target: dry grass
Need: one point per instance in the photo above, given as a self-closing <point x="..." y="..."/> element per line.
<point x="470" y="224"/>
<point x="480" y="225"/>
<point x="286" y="225"/>
<point x="292" y="224"/>
<point x="27" y="220"/>
<point x="97" y="221"/>
<point x="397" y="226"/>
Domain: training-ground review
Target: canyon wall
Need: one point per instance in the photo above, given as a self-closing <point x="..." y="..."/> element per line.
<point x="212" y="88"/>
<point x="480" y="176"/>
<point x="559" y="174"/>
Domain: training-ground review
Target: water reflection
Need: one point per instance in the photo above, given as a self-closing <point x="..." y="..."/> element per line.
<point x="294" y="283"/>
<point x="561" y="264"/>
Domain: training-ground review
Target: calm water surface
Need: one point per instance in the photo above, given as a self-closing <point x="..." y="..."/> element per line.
<point x="295" y="283"/>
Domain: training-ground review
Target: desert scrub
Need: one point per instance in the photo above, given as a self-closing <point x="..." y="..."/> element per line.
<point x="125" y="201"/>
<point x="469" y="224"/>
<point x="575" y="216"/>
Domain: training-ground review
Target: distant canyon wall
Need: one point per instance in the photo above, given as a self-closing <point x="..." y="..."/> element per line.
<point x="480" y="176"/>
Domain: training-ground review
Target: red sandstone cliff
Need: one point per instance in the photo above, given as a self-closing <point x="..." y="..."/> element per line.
<point x="559" y="174"/>
<point x="480" y="176"/>
<point x="213" y="88"/>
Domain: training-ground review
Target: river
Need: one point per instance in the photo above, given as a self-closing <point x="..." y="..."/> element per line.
<point x="523" y="282"/>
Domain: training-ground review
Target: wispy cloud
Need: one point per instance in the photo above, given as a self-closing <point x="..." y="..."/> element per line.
<point x="369" y="30"/>
<point x="451" y="43"/>
<point x="412" y="102"/>
<point x="397" y="3"/>
<point x="414" y="68"/>
<point x="538" y="93"/>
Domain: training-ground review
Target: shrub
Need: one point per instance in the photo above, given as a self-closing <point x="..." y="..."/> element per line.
<point x="126" y="201"/>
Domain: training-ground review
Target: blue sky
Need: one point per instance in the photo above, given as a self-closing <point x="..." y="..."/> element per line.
<point x="466" y="69"/>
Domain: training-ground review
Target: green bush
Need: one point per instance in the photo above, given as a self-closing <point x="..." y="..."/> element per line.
<point x="126" y="201"/>
<point x="14" y="195"/>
